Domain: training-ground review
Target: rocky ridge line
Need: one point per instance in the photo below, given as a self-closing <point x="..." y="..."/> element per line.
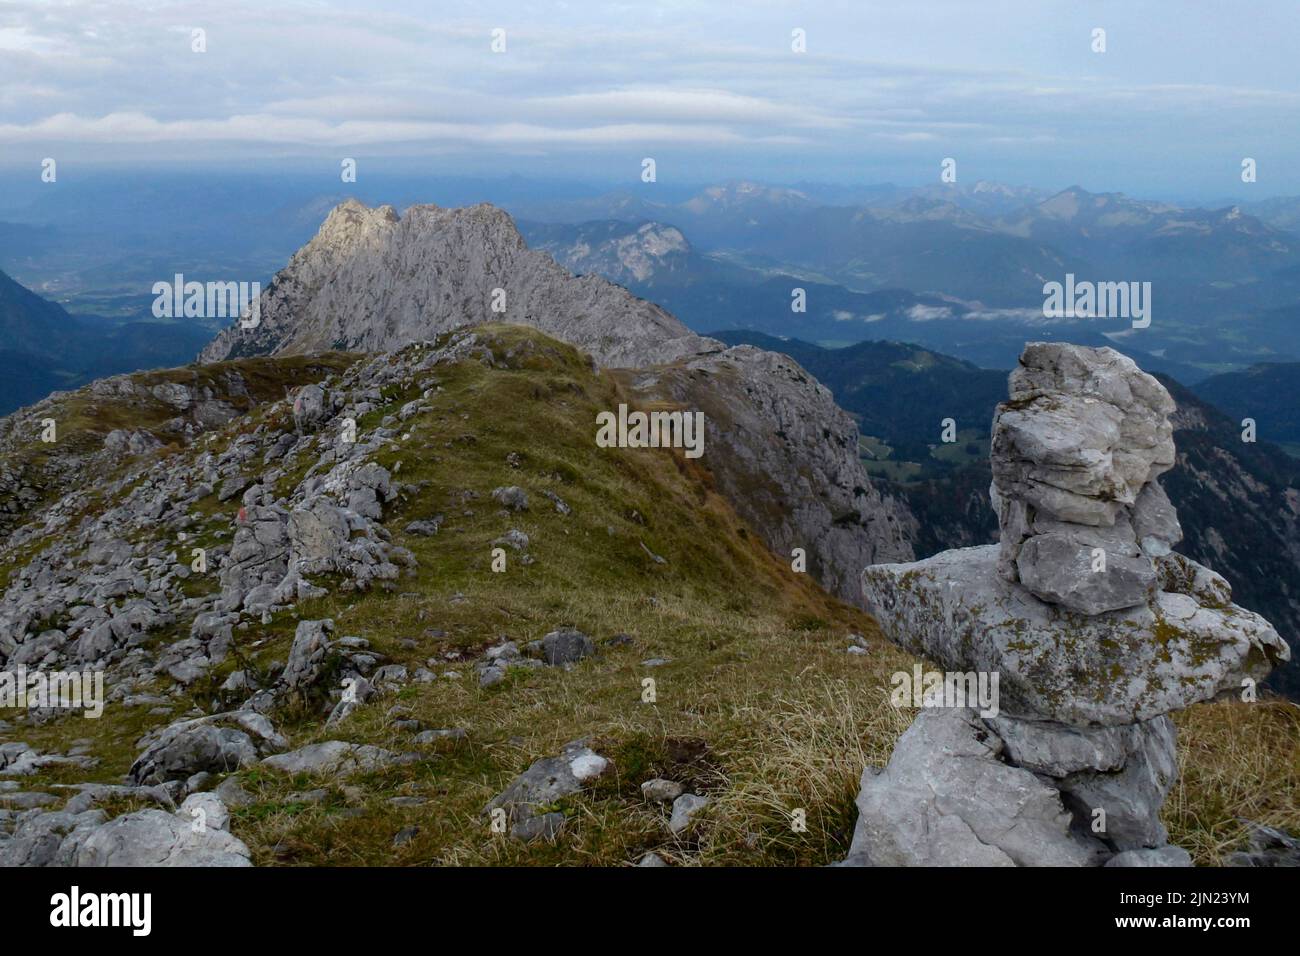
<point x="786" y="455"/>
<point x="371" y="281"/>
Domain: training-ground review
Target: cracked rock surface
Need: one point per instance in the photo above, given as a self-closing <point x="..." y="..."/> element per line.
<point x="1094" y="626"/>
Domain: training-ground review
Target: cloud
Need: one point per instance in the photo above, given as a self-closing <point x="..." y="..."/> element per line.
<point x="273" y="128"/>
<point x="1009" y="81"/>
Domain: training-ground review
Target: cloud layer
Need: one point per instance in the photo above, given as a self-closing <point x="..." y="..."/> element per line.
<point x="1004" y="85"/>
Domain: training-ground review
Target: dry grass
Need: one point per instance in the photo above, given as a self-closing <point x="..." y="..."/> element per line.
<point x="1236" y="761"/>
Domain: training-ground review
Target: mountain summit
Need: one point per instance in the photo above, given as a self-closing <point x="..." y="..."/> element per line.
<point x="372" y="280"/>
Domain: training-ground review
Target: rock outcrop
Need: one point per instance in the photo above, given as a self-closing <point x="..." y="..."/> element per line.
<point x="1094" y="627"/>
<point x="194" y="834"/>
<point x="786" y="456"/>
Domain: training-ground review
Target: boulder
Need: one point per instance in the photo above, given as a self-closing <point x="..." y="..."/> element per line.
<point x="685" y="808"/>
<point x="307" y="655"/>
<point x="336" y="758"/>
<point x="543" y="783"/>
<point x="566" y="646"/>
<point x="947" y="798"/>
<point x="219" y="743"/>
<point x="158" y="838"/>
<point x="1160" y="856"/>
<point x="1060" y="665"/>
<point x="1266" y="846"/>
<point x="193" y="749"/>
<point x="513" y="498"/>
<point x="311" y="407"/>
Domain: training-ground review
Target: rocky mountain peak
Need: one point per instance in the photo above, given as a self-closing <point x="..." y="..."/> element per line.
<point x="372" y="280"/>
<point x="623" y="252"/>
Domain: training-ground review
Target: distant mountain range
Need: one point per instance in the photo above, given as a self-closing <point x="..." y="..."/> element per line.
<point x="658" y="263"/>
<point x="709" y="292"/>
<point x="1225" y="282"/>
<point x="956" y="267"/>
<point x="923" y="239"/>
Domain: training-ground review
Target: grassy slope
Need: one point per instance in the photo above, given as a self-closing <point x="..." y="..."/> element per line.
<point x="760" y="706"/>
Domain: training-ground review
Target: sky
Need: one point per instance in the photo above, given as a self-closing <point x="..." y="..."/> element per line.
<point x="883" y="92"/>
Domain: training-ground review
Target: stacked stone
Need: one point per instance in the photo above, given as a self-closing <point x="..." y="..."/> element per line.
<point x="1096" y="629"/>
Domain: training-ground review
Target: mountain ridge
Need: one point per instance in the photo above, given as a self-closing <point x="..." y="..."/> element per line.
<point x="371" y="279"/>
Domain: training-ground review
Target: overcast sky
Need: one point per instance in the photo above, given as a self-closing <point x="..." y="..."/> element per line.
<point x="1012" y="90"/>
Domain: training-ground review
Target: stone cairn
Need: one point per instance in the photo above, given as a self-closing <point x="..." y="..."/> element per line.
<point x="1095" y="627"/>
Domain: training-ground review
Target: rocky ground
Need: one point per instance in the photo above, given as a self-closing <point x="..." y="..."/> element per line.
<point x="348" y="680"/>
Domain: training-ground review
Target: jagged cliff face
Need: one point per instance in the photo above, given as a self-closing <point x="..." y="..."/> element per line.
<point x="782" y="451"/>
<point x="371" y="281"/>
<point x="786" y="456"/>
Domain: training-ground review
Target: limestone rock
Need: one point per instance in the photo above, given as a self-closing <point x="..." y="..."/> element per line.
<point x="946" y="798"/>
<point x="513" y="498"/>
<point x="311" y="406"/>
<point x="566" y="646"/>
<point x="158" y="838"/>
<point x="660" y="790"/>
<point x="307" y="655"/>
<point x="1094" y="626"/>
<point x="433" y="270"/>
<point x="1160" y="856"/>
<point x="219" y="743"/>
<point x="685" y="808"/>
<point x="1131" y="796"/>
<point x="1055" y="664"/>
<point x="335" y="758"/>
<point x="1266" y="846"/>
<point x="1083" y="432"/>
<point x="1059" y="569"/>
<point x="203" y="747"/>
<point x="544" y="782"/>
<point x="1083" y="437"/>
<point x="1155" y="521"/>
<point x="1058" y="750"/>
<point x="49" y="839"/>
